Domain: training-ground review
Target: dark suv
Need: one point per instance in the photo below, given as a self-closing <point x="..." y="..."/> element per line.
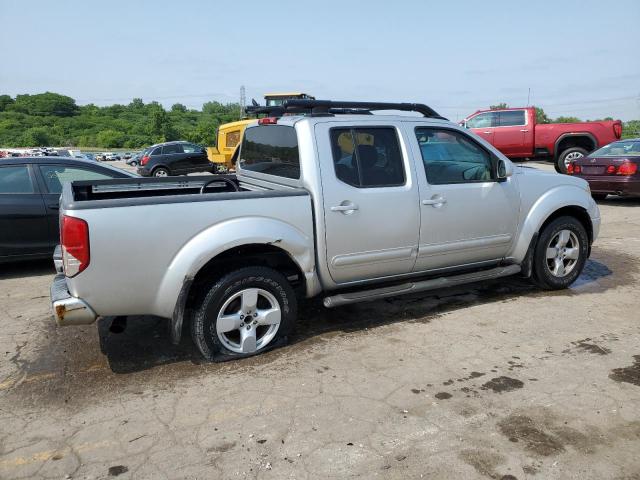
<point x="174" y="158"/>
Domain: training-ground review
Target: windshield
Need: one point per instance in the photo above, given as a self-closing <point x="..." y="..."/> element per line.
<point x="626" y="148"/>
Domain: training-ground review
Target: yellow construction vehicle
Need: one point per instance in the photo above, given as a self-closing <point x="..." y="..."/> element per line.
<point x="230" y="134"/>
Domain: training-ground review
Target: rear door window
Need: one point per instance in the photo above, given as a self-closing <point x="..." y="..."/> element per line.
<point x="173" y="148"/>
<point x="271" y="149"/>
<point x="511" y="118"/>
<point x="367" y="157"/>
<point x="15" y="179"/>
<point x="156" y="151"/>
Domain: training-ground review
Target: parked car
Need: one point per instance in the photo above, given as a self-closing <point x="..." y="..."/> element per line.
<point x="351" y="207"/>
<point x="174" y="158"/>
<point x="29" y="195"/>
<point x="111" y="157"/>
<point x="134" y="160"/>
<point x="126" y="156"/>
<point x="612" y="169"/>
<point x="515" y="132"/>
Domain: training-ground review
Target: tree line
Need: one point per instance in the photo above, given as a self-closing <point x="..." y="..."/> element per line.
<point x="51" y="119"/>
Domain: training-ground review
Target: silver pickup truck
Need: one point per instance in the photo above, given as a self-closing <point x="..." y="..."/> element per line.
<point x="334" y="201"/>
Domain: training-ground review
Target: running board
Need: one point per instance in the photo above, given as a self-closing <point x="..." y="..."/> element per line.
<point x="414" y="287"/>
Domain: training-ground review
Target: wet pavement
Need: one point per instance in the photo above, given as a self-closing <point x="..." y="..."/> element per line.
<point x="496" y="380"/>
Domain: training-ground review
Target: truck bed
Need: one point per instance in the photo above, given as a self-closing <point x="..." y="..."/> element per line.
<point x="145" y="228"/>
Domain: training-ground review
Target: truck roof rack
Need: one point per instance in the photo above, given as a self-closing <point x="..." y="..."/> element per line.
<point x="329" y="107"/>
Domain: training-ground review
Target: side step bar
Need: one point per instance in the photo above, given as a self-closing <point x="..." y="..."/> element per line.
<point x="421" y="286"/>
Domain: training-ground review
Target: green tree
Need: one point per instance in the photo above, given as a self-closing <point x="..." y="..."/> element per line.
<point x="567" y="120"/>
<point x="541" y="117"/>
<point x="44" y="104"/>
<point x="110" y="139"/>
<point x="178" y="107"/>
<point x="5" y="100"/>
<point x="500" y="106"/>
<point x="38" y="137"/>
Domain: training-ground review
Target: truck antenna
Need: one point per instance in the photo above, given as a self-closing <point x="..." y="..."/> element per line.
<point x="529" y="97"/>
<point x="243" y="102"/>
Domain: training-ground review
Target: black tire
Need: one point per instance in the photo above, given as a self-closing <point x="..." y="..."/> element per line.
<point x="160" y="172"/>
<point x="542" y="274"/>
<point x="560" y="161"/>
<point x="599" y="196"/>
<point x="134" y="164"/>
<point x="204" y="322"/>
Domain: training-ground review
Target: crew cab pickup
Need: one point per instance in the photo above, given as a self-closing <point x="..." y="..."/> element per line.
<point x="338" y="202"/>
<point x="515" y="133"/>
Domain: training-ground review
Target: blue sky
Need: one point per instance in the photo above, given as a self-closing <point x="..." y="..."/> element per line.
<point x="579" y="58"/>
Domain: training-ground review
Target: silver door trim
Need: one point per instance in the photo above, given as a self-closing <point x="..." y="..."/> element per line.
<point x="430" y="250"/>
<point x="378" y="256"/>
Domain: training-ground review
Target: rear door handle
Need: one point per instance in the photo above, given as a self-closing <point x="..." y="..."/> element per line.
<point x="435" y="201"/>
<point x="54" y="206"/>
<point x="488" y="132"/>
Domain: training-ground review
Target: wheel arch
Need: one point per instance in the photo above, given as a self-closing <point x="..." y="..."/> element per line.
<point x="545" y="210"/>
<point x="578" y="139"/>
<point x="278" y="245"/>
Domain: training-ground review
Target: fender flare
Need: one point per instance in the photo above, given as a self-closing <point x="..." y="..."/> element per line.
<point x="573" y="134"/>
<point x="549" y="203"/>
<point x="171" y="296"/>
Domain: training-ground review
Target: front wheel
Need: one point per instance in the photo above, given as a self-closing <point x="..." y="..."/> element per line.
<point x="599" y="196"/>
<point x="246" y="312"/>
<point x="560" y="253"/>
<point x="567" y="156"/>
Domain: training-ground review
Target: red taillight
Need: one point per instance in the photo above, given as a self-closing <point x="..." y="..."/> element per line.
<point x="268" y="121"/>
<point x="611" y="169"/>
<point x="144" y="160"/>
<point x="573" y="168"/>
<point x="627" y="168"/>
<point x="74" y="236"/>
<point x="617" y="129"/>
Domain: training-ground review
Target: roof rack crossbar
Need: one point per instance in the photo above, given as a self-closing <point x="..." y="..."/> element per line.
<point x="324" y="106"/>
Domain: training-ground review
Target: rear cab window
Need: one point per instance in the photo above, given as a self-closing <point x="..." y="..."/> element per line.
<point x="270" y="150"/>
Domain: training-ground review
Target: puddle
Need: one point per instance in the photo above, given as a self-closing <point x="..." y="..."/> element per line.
<point x="630" y="374"/>
<point x="503" y="384"/>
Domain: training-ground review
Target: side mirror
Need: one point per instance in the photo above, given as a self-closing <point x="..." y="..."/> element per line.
<point x="504" y="169"/>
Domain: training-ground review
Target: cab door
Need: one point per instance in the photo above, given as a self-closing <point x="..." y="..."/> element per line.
<point x="467" y="216"/>
<point x="483" y="124"/>
<point x="512" y="135"/>
<point x="370" y="199"/>
<point x="23" y="221"/>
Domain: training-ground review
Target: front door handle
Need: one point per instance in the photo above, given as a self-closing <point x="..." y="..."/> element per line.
<point x="436" y="201"/>
<point x="54" y="206"/>
<point x="524" y="131"/>
<point x="345" y="207"/>
<point x="488" y="132"/>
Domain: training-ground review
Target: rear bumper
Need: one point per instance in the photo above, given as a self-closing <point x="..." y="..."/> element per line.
<point x="614" y="185"/>
<point x="69" y="310"/>
<point x="57" y="259"/>
<point x="143" y="172"/>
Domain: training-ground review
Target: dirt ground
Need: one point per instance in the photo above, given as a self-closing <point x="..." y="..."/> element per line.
<point x="495" y="380"/>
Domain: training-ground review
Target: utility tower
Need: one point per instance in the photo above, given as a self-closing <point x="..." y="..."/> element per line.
<point x="243" y="102"/>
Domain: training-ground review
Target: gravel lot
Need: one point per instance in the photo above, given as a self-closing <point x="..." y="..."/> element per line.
<point x="494" y="380"/>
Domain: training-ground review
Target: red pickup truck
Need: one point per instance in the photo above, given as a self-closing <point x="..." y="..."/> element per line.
<point x="515" y="133"/>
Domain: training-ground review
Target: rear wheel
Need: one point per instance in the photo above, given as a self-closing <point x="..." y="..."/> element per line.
<point x="161" y="172"/>
<point x="567" y="156"/>
<point x="560" y="253"/>
<point x="599" y="196"/>
<point x="244" y="313"/>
